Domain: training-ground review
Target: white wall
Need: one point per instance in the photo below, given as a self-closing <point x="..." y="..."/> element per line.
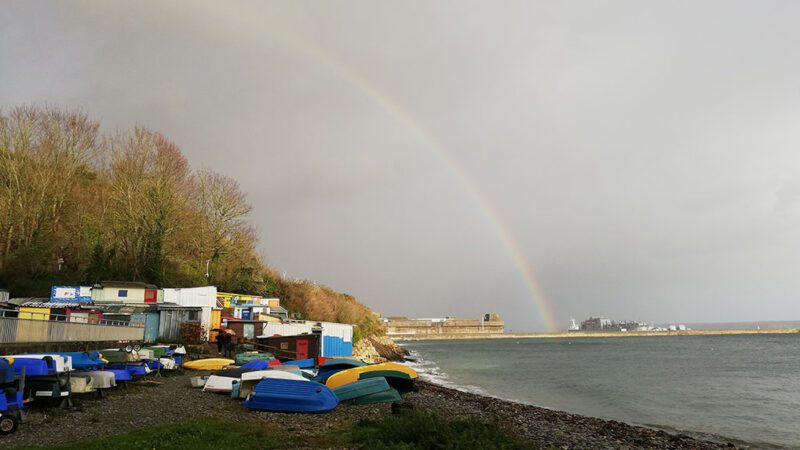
<point x="341" y="330"/>
<point x="205" y="297"/>
<point x="111" y="295"/>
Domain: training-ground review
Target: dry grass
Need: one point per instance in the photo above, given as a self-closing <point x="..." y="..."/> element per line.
<point x="315" y="302"/>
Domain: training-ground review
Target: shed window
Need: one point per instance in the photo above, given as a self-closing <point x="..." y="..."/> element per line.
<point x="194" y="316"/>
<point x="122" y="293"/>
<point x="249" y="331"/>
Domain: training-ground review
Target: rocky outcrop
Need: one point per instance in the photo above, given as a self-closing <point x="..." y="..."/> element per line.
<point x="376" y="349"/>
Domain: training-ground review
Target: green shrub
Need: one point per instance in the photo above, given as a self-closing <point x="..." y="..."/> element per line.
<point x="412" y="430"/>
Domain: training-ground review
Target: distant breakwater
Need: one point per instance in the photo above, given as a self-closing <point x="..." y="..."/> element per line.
<point x="585" y="334"/>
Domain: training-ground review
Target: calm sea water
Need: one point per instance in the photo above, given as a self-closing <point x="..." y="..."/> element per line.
<point x="744" y="389"/>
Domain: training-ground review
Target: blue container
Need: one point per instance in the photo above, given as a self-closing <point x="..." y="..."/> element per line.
<point x="336" y="346"/>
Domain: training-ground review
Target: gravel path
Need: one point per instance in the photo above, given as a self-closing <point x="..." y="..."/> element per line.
<point x="172" y="400"/>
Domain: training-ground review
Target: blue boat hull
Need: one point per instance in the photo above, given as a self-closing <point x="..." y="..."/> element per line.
<point x="301" y="363"/>
<point x="291" y="396"/>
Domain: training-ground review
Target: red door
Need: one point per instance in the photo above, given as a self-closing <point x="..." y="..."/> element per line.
<point x="302" y="348"/>
<point x="150" y="296"/>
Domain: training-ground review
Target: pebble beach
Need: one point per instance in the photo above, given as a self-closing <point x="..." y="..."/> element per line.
<point x="171" y="399"/>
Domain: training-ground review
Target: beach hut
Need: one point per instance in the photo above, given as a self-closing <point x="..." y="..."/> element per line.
<point x="336" y="339"/>
<point x="125" y="292"/>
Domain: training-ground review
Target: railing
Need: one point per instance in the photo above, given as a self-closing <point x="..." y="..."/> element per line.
<point x="35" y="327"/>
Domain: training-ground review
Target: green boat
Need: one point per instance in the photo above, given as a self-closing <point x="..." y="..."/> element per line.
<point x="158" y="352"/>
<point x="361" y="388"/>
<point x="246" y="357"/>
<point x="116" y="356"/>
<point x="396" y="379"/>
<point x="387" y="396"/>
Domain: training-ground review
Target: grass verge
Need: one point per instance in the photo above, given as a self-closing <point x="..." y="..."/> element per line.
<point x="412" y="430"/>
<point x="409" y="430"/>
<point x="197" y="434"/>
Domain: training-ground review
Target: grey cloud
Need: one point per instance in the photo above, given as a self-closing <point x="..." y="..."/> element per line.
<point x="643" y="155"/>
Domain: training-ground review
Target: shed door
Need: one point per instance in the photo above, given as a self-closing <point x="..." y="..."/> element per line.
<point x="216" y="322"/>
<point x="151" y="327"/>
<point x="302" y="349"/>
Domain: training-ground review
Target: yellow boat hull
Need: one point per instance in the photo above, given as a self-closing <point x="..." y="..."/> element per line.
<point x="208" y="364"/>
<point x="354" y="374"/>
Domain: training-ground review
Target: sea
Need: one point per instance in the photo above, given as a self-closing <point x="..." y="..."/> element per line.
<point x="743" y="389"/>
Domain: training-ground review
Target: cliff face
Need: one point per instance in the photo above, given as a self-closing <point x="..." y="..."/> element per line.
<point x="377" y="349"/>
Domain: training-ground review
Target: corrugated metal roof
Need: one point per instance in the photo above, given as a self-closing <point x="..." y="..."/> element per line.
<point x="172" y="306"/>
<point x="122" y="308"/>
<point x="21" y="300"/>
<point x="51" y="305"/>
<point x="128" y="284"/>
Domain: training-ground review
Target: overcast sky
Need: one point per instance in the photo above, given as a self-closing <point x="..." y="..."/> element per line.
<point x="644" y="157"/>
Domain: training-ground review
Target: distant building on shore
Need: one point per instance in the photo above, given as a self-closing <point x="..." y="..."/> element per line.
<point x="403" y="326"/>
<point x="606" y="324"/>
<point x="597" y="324"/>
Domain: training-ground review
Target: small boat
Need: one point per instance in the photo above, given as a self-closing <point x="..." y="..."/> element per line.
<point x="11" y="403"/>
<point x="199" y="381"/>
<point x="388" y="396"/>
<point x="168" y="363"/>
<point x="167" y="350"/>
<point x="136" y="369"/>
<point x="216" y="383"/>
<point x="332" y="366"/>
<point x="34" y="367"/>
<point x="290" y="396"/>
<point x="285" y="368"/>
<point x="101" y="379"/>
<point x="147" y="353"/>
<point x="401" y="381"/>
<point x="208" y="364"/>
<point x="273" y="374"/>
<point x="345" y="363"/>
<point x="301" y="363"/>
<point x="79" y="384"/>
<point x="63" y="363"/>
<point x="391" y="371"/>
<point x="255" y="365"/>
<point x="250" y="379"/>
<point x="49" y="387"/>
<point x="360" y="388"/>
<point x="233" y="372"/>
<point x="117" y="356"/>
<point x="246" y="357"/>
<point x="85" y="360"/>
<point x="120" y="375"/>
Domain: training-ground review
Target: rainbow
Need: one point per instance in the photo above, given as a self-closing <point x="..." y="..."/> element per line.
<point x="383" y="100"/>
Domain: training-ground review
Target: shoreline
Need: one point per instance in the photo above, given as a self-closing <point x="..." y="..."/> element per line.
<point x="599" y="334"/>
<point x="171" y="400"/>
